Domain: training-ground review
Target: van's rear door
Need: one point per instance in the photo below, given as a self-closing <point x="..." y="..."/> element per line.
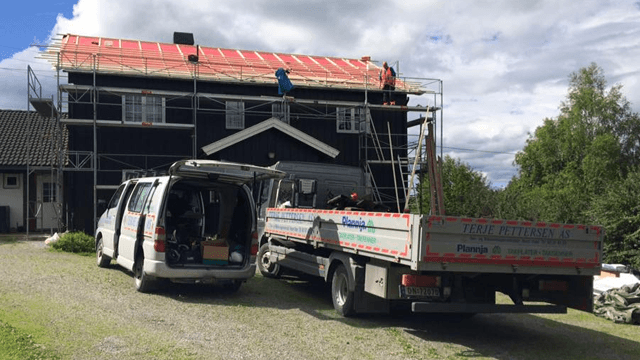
<point x="223" y="171"/>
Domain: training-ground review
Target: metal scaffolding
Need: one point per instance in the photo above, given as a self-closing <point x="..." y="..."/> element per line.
<point x="46" y="108"/>
<point x="427" y="97"/>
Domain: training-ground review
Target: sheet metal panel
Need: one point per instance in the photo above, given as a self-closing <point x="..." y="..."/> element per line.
<point x="382" y="235"/>
<point x="502" y="244"/>
<point x="447" y="243"/>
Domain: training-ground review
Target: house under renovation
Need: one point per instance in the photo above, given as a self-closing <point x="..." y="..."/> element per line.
<point x="134" y="107"/>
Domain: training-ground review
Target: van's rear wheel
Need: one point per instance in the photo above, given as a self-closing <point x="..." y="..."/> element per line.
<point x="266" y="267"/>
<point x="341" y="295"/>
<point x="102" y="260"/>
<point x="144" y="283"/>
<point x="232" y="286"/>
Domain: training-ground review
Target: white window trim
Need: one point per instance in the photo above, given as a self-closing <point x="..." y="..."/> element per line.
<point x="6" y="184"/>
<point x="353" y="116"/>
<point x="283" y="116"/>
<point x="143" y="108"/>
<point x="234" y="121"/>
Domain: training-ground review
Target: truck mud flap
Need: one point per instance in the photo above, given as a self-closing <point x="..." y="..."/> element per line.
<point x="430" y="307"/>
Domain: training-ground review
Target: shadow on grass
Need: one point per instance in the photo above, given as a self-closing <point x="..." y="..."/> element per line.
<point x="522" y="336"/>
<point x="499" y="336"/>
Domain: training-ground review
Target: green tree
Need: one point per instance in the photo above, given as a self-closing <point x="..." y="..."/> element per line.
<point x="466" y="192"/>
<point x="618" y="211"/>
<point x="571" y="159"/>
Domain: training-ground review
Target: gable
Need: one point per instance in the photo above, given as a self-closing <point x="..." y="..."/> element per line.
<point x="271" y="123"/>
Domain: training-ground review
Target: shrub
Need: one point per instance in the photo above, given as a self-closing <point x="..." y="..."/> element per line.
<point x="75" y="242"/>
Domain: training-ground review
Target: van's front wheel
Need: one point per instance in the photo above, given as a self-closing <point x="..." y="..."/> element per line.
<point x="102" y="260"/>
<point x="144" y="283"/>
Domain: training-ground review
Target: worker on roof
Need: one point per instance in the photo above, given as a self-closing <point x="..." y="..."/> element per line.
<point x="388" y="81"/>
<point x="284" y="84"/>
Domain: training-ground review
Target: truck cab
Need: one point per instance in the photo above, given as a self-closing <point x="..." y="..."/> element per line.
<point x="311" y="186"/>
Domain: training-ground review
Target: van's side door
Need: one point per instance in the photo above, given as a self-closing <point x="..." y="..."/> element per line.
<point x="131" y="226"/>
<point x="121" y="211"/>
<point x="109" y="221"/>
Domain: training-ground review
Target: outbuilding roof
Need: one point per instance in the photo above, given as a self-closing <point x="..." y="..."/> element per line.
<point x="28" y="138"/>
<point x="145" y="58"/>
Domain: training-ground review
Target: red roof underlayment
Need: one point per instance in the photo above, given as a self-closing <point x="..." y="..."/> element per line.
<point x="144" y="58"/>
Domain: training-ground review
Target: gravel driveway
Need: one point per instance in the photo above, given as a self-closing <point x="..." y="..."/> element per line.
<point x="92" y="313"/>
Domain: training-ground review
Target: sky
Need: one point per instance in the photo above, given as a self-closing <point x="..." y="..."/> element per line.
<point x="505" y="64"/>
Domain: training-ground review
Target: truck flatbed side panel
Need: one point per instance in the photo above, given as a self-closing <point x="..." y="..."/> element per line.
<point x="383" y="235"/>
<point x="503" y="245"/>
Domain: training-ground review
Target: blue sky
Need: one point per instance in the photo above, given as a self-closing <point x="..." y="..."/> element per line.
<point x="505" y="64"/>
<point x="25" y="22"/>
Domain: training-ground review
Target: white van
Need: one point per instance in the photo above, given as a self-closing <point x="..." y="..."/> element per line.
<point x="198" y="224"/>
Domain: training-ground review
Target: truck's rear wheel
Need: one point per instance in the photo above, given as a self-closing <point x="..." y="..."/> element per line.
<point x="266" y="267"/>
<point x="102" y="260"/>
<point x="342" y="297"/>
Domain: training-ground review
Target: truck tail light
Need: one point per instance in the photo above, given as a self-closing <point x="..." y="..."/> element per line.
<point x="159" y="240"/>
<point x="552" y="285"/>
<point x="254" y="243"/>
<point x="420" y="280"/>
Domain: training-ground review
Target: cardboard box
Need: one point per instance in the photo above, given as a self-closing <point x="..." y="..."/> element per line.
<point x="214" y="242"/>
<point x="215" y="252"/>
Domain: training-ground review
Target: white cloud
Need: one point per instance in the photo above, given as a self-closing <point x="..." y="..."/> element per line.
<point x="13" y="72"/>
<point x="505" y="64"/>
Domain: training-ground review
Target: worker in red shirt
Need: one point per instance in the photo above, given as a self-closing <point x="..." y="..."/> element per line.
<point x="388" y="81"/>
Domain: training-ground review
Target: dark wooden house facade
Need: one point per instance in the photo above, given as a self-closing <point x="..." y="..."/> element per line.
<point x="135" y="107"/>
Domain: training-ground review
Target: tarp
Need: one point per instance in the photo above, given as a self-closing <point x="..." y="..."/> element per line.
<point x="621" y="305"/>
<point x="284" y="84"/>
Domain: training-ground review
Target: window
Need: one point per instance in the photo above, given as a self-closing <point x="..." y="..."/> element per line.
<point x="235" y="115"/>
<point x="115" y="199"/>
<point x="48" y="192"/>
<point x="11" y="181"/>
<point x="350" y="120"/>
<point x="143" y="108"/>
<point x="284" y="194"/>
<point x="280" y="111"/>
<point x="139" y="197"/>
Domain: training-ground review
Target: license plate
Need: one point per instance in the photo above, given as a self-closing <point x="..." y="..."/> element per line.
<point x="421" y="291"/>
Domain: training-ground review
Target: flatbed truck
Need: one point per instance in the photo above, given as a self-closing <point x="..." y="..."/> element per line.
<point x="431" y="263"/>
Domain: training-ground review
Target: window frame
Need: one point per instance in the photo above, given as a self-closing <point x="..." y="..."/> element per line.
<point x="5" y="181"/>
<point x="234" y="115"/>
<point x="49" y="192"/>
<point x="281" y="111"/>
<point x="352" y="117"/>
<point x="148" y="109"/>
